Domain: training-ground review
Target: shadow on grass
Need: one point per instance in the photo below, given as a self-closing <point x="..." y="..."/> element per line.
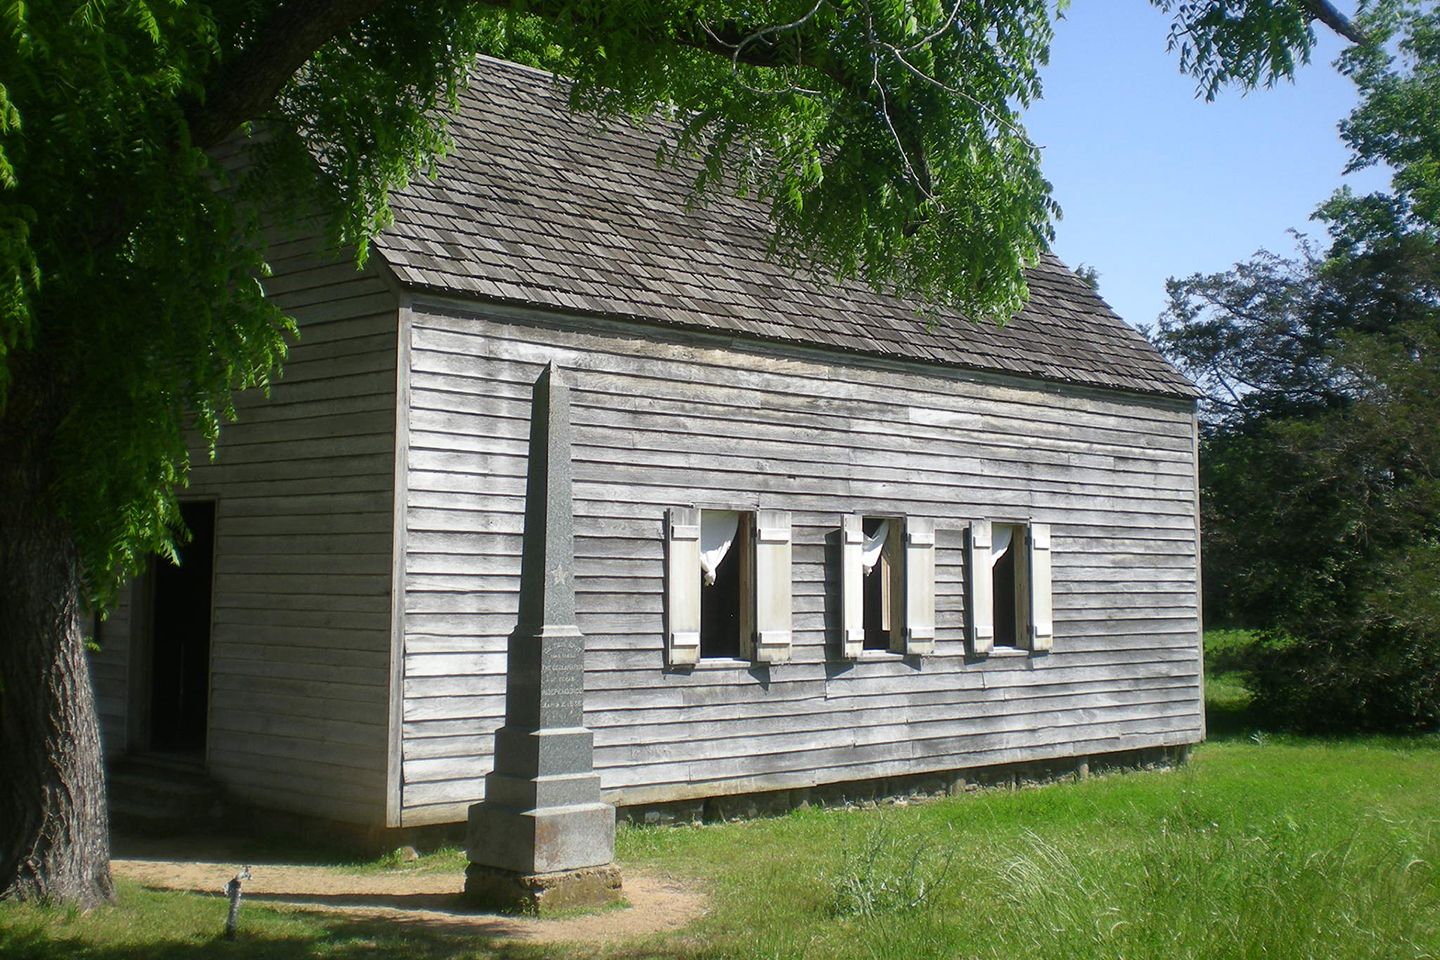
<point x="1230" y="715"/>
<point x="1229" y="721"/>
<point x="333" y="938"/>
<point x="185" y="925"/>
<point x="228" y="847"/>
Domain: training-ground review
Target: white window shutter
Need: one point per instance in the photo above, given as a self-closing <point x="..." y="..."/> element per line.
<point x="682" y="586"/>
<point x="771" y="641"/>
<point x="852" y="585"/>
<point x="919" y="586"/>
<point x="982" y="595"/>
<point x="1042" y="617"/>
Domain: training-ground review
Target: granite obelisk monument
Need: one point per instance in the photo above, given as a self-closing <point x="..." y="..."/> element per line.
<point x="541" y="839"/>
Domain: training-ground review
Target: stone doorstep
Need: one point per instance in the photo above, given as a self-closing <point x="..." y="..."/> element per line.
<point x="150" y="794"/>
<point x="542" y="894"/>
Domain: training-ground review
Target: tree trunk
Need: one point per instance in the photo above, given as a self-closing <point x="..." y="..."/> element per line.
<point x="54" y="826"/>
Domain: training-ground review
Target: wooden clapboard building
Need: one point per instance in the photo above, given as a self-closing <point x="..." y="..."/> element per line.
<point x="820" y="540"/>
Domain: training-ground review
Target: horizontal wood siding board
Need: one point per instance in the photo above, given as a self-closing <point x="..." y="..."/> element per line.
<point x="446" y="428"/>
<point x="297" y="563"/>
<point x="341" y="732"/>
<point x="706" y="779"/>
<point x="441" y="631"/>
<point x="634" y="680"/>
<point x="336" y="424"/>
<point x="923" y="480"/>
<point x="447" y="398"/>
<point x="302" y="778"/>
<point x="793" y="750"/>
<point x="812" y="428"/>
<point x="998" y="746"/>
<point x="621" y="723"/>
<point x="600" y="352"/>
<point x="1112" y="449"/>
<point x="110" y="673"/>
<point x="844" y="726"/>
<point x="332" y="544"/>
<point x="661" y="423"/>
<point x="303" y="483"/>
<point x="283" y="704"/>
<point x="335" y="654"/>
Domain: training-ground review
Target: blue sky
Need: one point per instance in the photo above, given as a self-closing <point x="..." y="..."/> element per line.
<point x="1155" y="182"/>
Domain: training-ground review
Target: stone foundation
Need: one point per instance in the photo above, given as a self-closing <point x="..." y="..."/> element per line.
<point x="373" y="841"/>
<point x="904" y="789"/>
<point x="492" y="888"/>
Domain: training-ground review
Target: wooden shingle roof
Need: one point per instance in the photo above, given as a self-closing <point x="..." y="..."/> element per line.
<point x="539" y="206"/>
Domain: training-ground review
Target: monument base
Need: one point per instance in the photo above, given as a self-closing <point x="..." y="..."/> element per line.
<point x="543" y="840"/>
<point x="506" y="891"/>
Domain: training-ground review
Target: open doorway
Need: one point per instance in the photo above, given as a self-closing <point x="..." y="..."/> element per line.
<point x="179" y="666"/>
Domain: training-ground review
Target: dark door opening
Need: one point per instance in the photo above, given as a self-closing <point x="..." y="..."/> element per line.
<point x="180" y="639"/>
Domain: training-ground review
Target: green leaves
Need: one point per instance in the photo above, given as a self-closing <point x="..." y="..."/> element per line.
<point x="1321" y="474"/>
<point x="883" y="134"/>
<point x="126" y="277"/>
<point x="1249" y="43"/>
<point x="1398" y="121"/>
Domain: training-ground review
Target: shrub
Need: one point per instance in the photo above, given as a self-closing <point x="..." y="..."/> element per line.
<point x="1380" y="676"/>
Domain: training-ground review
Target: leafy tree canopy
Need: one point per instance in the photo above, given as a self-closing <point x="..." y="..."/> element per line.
<point x="1321" y="468"/>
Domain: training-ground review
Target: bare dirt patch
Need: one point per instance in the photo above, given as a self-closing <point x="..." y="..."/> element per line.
<point x="657" y="903"/>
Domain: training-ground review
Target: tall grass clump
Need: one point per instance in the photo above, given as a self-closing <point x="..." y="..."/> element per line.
<point x="885" y="871"/>
<point x="1277" y="889"/>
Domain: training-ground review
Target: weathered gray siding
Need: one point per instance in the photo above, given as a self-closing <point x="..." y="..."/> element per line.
<point x="303" y="482"/>
<point x="673" y="422"/>
<point x="300" y="646"/>
<point x="110" y="673"/>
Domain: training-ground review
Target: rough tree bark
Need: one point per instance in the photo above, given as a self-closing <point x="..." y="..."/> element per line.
<point x="54" y="826"/>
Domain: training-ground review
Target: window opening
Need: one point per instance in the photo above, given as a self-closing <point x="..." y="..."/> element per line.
<point x="724" y="551"/>
<point x="877" y="564"/>
<point x="1007" y="576"/>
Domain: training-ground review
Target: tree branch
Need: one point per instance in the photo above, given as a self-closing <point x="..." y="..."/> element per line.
<point x="1325" y="12"/>
<point x="744" y="45"/>
<point x="248" y="84"/>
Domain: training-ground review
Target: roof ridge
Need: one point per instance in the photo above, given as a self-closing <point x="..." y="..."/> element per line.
<point x="515" y="65"/>
<point x="533" y="208"/>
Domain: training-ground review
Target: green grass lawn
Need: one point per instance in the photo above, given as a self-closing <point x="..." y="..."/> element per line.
<point x="1262" y="846"/>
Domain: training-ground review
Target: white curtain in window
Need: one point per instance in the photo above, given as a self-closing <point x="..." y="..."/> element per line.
<point x="874" y="544"/>
<point x="1000" y="538"/>
<point x="717" y="534"/>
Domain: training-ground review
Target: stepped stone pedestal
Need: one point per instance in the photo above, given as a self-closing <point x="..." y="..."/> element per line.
<point x="542" y="839"/>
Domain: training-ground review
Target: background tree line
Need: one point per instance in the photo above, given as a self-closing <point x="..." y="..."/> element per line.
<point x="1320" y="466"/>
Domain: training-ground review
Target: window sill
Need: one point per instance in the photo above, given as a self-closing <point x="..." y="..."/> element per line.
<point x="1008" y="652"/>
<point x="726" y="663"/>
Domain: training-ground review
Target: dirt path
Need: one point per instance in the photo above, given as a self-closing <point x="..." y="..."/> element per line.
<point x="431" y="899"/>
